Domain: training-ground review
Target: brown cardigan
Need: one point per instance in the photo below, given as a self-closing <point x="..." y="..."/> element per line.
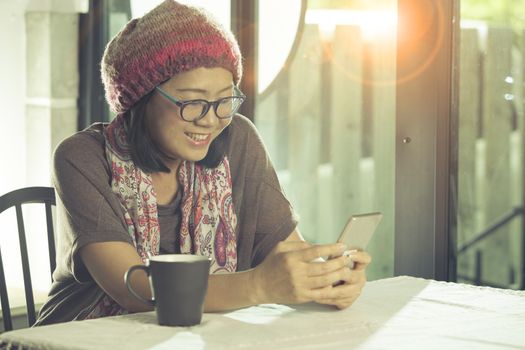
<point x="88" y="212"/>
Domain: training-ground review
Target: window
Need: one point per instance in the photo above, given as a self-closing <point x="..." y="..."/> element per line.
<point x="328" y="117"/>
<point x="490" y="231"/>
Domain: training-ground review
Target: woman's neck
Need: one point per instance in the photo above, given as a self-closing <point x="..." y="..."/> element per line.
<point x="166" y="185"/>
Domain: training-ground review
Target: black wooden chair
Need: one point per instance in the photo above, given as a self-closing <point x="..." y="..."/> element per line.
<point x="16" y="198"/>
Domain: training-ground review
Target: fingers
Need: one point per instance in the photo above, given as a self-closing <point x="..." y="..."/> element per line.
<point x="315" y="251"/>
<point x="344" y="291"/>
<point x="355" y="277"/>
<point x="317" y="268"/>
<point x="355" y="260"/>
<point x="361" y="259"/>
<point x="337" y="296"/>
<point x="329" y="279"/>
<point x="290" y="246"/>
<point x="301" y="280"/>
<point x="336" y="270"/>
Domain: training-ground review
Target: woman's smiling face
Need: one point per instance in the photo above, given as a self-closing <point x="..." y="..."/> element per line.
<point x="178" y="139"/>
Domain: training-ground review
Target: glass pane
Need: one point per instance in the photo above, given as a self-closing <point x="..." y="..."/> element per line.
<point x="491" y="125"/>
<point x="277" y="39"/>
<point x="328" y="121"/>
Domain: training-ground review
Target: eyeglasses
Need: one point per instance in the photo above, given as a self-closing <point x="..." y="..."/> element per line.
<point x="193" y="110"/>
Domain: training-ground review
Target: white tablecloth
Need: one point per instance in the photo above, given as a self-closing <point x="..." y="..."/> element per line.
<point x="394" y="313"/>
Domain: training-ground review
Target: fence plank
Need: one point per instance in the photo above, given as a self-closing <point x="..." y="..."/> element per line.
<point x="330" y="231"/>
<point x="267" y="123"/>
<point x="469" y="119"/>
<point x="521" y="265"/>
<point x="346" y="121"/>
<point x="497" y="127"/>
<point x="304" y="135"/>
<point x="382" y="54"/>
<point x="517" y="242"/>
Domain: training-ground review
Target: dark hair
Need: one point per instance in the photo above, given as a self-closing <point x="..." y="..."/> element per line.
<point x="145" y="153"/>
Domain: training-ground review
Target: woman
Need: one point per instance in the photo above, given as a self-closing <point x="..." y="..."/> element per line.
<point x="178" y="171"/>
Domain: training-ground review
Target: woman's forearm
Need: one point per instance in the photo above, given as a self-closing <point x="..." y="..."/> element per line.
<point x="240" y="289"/>
<point x="232" y="291"/>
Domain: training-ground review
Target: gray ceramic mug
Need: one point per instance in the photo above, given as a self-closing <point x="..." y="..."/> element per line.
<point x="178" y="285"/>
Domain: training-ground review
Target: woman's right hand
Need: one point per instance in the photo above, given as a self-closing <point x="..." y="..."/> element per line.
<point x="289" y="274"/>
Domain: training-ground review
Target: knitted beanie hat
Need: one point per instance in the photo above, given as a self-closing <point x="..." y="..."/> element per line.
<point x="170" y="39"/>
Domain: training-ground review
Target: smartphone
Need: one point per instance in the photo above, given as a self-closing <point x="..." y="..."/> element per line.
<point x="357" y="233"/>
<point x="359" y="230"/>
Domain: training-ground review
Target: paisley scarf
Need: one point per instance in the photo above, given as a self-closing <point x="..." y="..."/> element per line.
<point x="208" y="220"/>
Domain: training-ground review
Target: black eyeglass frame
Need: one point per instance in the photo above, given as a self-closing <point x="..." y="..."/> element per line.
<point x="205" y="103"/>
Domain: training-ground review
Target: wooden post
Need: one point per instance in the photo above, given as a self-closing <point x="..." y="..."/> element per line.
<point x="516" y="184"/>
<point x="522" y="120"/>
<point x="346" y="120"/>
<point x="518" y="230"/>
<point x="478" y="268"/>
<point x="497" y="126"/>
<point x="267" y="123"/>
<point x="305" y="131"/>
<point x="382" y="54"/>
<point x="469" y="119"/>
<point x="329" y="231"/>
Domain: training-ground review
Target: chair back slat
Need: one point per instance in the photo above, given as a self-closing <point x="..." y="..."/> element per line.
<point x="50" y="239"/>
<point x="6" y="309"/>
<point x="27" y="195"/>
<point x="30" y="301"/>
<point x="45" y="195"/>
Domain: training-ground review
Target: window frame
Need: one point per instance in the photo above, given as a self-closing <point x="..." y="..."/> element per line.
<point x="427" y="145"/>
<point x="426" y="175"/>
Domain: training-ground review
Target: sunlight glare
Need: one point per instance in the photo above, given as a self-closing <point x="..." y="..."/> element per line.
<point x="380" y="24"/>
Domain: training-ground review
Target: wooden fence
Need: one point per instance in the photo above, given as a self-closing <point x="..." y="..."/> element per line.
<point x="330" y="130"/>
<point x="329" y="125"/>
<point x="490" y="154"/>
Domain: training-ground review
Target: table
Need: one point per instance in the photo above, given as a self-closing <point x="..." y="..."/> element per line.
<point x="393" y="313"/>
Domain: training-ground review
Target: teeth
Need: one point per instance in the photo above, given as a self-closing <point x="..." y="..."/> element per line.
<point x="197" y="137"/>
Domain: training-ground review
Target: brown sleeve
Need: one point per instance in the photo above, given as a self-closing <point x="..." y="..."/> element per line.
<point x="275" y="221"/>
<point x="87" y="209"/>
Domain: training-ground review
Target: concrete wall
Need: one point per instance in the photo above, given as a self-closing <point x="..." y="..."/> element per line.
<point x="38" y="94"/>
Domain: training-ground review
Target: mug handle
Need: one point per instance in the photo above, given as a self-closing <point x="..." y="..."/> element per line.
<point x="127" y="276"/>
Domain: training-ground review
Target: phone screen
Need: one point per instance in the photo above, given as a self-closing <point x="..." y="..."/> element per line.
<point x="359" y="230"/>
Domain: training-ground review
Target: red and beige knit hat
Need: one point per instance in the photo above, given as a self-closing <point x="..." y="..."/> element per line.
<point x="170" y="39"/>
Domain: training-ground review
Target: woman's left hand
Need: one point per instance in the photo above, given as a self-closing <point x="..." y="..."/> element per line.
<point x="344" y="294"/>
